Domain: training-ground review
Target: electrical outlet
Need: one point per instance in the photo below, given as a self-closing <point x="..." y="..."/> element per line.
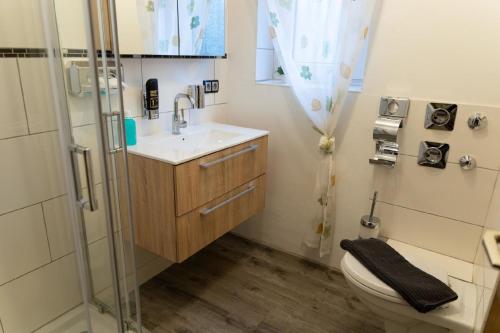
<point x="208" y="86"/>
<point x="215" y="86"/>
<point x="211" y="86"/>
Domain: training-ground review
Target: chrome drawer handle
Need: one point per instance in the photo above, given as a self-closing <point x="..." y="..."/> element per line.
<point x="248" y="149"/>
<point x="207" y="211"/>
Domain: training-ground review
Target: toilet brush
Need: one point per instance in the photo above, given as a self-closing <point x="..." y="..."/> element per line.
<point x="370" y="224"/>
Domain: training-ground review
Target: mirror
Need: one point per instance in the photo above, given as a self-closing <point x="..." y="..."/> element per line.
<point x="172" y="27"/>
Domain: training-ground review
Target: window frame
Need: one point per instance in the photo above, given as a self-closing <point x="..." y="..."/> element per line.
<point x="266" y="63"/>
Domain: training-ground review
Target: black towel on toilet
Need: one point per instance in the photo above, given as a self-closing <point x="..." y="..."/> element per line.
<point x="422" y="291"/>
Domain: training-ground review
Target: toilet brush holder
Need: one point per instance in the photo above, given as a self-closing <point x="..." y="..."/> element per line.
<point x="369" y="228"/>
<point x="369" y="224"/>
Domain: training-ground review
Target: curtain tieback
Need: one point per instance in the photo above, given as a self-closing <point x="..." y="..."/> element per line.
<point x="326" y="144"/>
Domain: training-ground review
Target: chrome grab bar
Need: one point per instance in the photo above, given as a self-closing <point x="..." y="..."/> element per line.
<point x="119" y="121"/>
<point x="248" y="149"/>
<point x="207" y="211"/>
<point x="91" y="203"/>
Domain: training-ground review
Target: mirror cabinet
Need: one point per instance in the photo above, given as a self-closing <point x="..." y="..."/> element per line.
<point x="171" y="27"/>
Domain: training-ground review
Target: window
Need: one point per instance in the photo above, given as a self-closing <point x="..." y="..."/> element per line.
<point x="268" y="69"/>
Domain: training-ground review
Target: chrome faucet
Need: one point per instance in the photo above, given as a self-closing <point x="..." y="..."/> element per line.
<point x="178" y="121"/>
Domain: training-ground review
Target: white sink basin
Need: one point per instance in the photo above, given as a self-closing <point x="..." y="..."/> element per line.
<point x="193" y="142"/>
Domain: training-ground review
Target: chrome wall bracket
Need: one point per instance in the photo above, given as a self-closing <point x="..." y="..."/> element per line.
<point x="477" y="121"/>
<point x="394" y="107"/>
<point x="392" y="114"/>
<point x="467" y="162"/>
<point x="433" y="154"/>
<point x="440" y="116"/>
<point x="79" y="77"/>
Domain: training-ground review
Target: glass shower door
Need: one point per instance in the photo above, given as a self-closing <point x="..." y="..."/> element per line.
<point x="87" y="87"/>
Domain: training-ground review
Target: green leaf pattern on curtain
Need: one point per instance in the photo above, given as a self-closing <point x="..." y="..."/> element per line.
<point x="318" y="44"/>
<point x="193" y="32"/>
<point x="158" y="26"/>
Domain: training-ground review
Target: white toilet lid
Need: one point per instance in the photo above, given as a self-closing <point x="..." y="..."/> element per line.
<point x="362" y="275"/>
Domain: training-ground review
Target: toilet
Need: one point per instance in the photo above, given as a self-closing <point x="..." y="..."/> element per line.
<point x="397" y="314"/>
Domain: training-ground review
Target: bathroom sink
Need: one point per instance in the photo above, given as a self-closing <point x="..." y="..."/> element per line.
<point x="208" y="137"/>
<point x="194" y="142"/>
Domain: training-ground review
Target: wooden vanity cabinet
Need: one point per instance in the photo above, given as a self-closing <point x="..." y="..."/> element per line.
<point x="178" y="210"/>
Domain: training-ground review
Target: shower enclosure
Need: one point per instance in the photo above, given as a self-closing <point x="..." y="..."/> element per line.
<point x="67" y="260"/>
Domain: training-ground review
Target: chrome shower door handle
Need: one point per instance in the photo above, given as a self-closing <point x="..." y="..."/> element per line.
<point x="91" y="202"/>
<point x="119" y="122"/>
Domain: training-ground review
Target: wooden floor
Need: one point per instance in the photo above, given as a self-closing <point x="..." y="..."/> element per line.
<point x="235" y="285"/>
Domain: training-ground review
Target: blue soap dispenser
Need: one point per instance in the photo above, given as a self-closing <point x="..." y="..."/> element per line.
<point x="130" y="129"/>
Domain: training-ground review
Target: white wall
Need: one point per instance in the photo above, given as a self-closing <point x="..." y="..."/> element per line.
<point x="424" y="50"/>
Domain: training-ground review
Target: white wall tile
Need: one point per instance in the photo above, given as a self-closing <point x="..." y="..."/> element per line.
<point x="21" y="24"/>
<point x="132" y="94"/>
<point x="81" y="110"/>
<point x="133" y="101"/>
<point x="59" y="229"/>
<point x="221" y="74"/>
<point x="212" y="113"/>
<point x="264" y="65"/>
<point x="23" y="242"/>
<point x="31" y="170"/>
<point x="11" y="101"/>
<point x="450" y="192"/>
<point x="453" y="238"/>
<point x="462" y="140"/>
<point x="59" y="226"/>
<point x="175" y="75"/>
<point x="35" y="80"/>
<point x="36" y="298"/>
<point x="132" y="71"/>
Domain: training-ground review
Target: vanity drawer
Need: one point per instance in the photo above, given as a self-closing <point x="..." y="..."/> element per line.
<point x="204" y="179"/>
<point x="202" y="226"/>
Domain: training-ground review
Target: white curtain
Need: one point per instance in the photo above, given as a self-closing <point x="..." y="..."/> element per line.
<point x="158" y="20"/>
<point x="193" y="15"/>
<point x="318" y="44"/>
